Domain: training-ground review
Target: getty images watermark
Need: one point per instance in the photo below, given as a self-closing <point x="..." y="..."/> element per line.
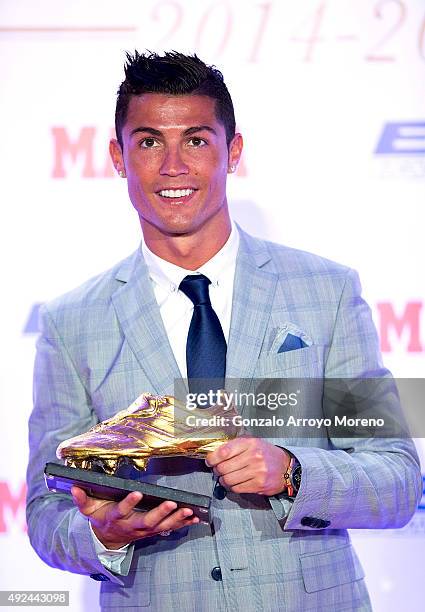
<point x="270" y="401"/>
<point x="227" y="399"/>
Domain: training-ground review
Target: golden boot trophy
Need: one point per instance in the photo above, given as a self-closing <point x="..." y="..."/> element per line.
<point x="152" y="426"/>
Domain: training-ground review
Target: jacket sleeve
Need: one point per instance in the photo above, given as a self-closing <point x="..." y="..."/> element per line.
<point x="58" y="532"/>
<point x="367" y="482"/>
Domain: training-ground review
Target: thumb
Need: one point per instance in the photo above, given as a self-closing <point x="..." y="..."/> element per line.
<point x="79" y="496"/>
<point x="85" y="504"/>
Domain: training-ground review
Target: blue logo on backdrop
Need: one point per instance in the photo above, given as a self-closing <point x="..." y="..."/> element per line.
<point x="31" y="326"/>
<point x="422" y="502"/>
<point x="402" y="138"/>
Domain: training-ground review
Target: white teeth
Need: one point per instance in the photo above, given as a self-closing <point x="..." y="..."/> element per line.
<point x="176" y="193"/>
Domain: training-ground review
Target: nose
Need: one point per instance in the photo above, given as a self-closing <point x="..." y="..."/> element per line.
<point x="173" y="163"/>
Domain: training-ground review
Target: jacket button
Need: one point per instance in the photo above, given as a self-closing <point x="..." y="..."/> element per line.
<point x="219" y="492"/>
<point x="216" y="574"/>
<point x="314" y="522"/>
<point x="100" y="577"/>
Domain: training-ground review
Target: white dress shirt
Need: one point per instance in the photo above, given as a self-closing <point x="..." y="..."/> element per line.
<point x="176" y="308"/>
<point x="176" y="311"/>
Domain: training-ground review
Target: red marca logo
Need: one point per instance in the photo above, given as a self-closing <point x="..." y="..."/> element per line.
<point x="87" y="153"/>
<point x="79" y="150"/>
<point x="405" y="325"/>
<point x="12" y="506"/>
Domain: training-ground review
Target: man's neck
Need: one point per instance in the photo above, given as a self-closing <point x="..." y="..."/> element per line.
<point x="188" y="251"/>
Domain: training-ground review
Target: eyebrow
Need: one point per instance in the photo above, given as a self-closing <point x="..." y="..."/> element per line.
<point x="188" y="132"/>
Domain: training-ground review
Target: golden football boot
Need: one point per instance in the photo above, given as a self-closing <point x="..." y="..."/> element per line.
<point x="152" y="426"/>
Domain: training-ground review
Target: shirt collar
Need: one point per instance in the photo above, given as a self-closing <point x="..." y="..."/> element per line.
<point x="169" y="276"/>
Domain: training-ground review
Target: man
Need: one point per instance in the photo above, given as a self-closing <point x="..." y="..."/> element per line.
<point x="274" y="542"/>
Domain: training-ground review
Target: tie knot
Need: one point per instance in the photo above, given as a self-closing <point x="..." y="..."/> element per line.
<point x="195" y="286"/>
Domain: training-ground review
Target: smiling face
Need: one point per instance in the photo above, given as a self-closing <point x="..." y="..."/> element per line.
<point x="176" y="160"/>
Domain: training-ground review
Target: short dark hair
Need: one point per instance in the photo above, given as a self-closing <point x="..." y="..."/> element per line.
<point x="176" y="74"/>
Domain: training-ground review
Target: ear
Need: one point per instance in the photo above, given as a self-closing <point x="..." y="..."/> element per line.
<point x="235" y="152"/>
<point x="117" y="158"/>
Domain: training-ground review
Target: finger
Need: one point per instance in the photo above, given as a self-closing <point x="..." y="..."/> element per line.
<point x="85" y="504"/>
<point x="182" y="518"/>
<point x="79" y="496"/>
<point x="125" y="507"/>
<point x="250" y="486"/>
<point x="148" y="520"/>
<point x="187" y="522"/>
<point x="174" y="520"/>
<point x="232" y="465"/>
<point x="236" y="478"/>
<point x="227" y="451"/>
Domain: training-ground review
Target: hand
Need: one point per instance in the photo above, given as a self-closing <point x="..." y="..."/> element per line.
<point x="250" y="465"/>
<point x="117" y="523"/>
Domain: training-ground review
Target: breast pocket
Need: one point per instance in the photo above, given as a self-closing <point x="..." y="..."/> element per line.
<point x="304" y="362"/>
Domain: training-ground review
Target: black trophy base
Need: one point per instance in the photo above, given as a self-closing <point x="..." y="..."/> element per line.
<point x="60" y="479"/>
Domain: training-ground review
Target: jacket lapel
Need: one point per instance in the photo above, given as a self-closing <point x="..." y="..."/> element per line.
<point x="141" y="322"/>
<point x="253" y="293"/>
<point x="140" y="318"/>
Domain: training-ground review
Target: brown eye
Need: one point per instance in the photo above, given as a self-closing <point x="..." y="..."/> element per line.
<point x="196" y="141"/>
<point x="149" y="143"/>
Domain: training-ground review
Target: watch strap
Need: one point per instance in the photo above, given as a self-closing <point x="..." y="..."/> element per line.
<point x="288" y="477"/>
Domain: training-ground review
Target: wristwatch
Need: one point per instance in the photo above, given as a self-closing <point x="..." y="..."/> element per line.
<point x="292" y="477"/>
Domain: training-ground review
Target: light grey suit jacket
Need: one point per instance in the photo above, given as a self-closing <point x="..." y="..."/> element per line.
<point x="104" y="343"/>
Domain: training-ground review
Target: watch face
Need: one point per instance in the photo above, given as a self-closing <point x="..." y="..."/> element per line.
<point x="296" y="477"/>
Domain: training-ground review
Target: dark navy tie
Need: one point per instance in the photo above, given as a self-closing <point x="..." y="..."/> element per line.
<point x="206" y="345"/>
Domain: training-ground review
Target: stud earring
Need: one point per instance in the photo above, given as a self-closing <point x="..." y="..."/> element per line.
<point x="121" y="173"/>
<point x="232" y="168"/>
